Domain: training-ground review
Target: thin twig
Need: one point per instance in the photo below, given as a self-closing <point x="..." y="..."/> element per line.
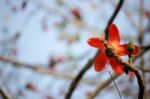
<point x="146" y="70"/>
<point x="115" y="84"/>
<point x="144" y="49"/>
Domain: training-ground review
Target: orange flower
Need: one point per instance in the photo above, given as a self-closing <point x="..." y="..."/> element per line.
<point x="113" y="41"/>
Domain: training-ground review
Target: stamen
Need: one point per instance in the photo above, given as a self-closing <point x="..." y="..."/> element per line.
<point x="103" y="41"/>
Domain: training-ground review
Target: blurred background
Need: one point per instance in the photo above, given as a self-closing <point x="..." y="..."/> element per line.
<point x="43" y="46"/>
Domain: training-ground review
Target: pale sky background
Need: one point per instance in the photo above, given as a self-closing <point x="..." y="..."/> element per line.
<point x="35" y="46"/>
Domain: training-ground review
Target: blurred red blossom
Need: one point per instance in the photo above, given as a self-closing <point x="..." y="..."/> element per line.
<point x="76" y="13"/>
<point x="54" y="60"/>
<point x="147" y="14"/>
<point x="14" y="8"/>
<point x="30" y="86"/>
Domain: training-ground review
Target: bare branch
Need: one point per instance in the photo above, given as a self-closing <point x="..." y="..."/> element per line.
<point x="144" y="50"/>
<point x="141" y="37"/>
<point x="145" y="47"/>
<point x="113" y="17"/>
<point x="3" y="94"/>
<point x="146" y="70"/>
<point x="41" y="69"/>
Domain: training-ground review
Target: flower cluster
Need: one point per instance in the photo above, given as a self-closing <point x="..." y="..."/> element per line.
<point x="114" y="43"/>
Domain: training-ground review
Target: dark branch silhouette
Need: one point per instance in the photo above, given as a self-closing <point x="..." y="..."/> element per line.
<point x="3" y="94"/>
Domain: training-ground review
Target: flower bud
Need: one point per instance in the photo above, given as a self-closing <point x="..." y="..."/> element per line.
<point x="131" y="46"/>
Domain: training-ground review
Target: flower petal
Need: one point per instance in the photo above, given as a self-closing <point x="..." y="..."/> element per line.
<point x="114" y="36"/>
<point x="100" y="61"/>
<point x="136" y="50"/>
<point x="118" y="68"/>
<point x="122" y="50"/>
<point x="95" y="42"/>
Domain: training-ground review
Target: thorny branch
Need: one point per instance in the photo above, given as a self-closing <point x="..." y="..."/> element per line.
<point x="90" y="62"/>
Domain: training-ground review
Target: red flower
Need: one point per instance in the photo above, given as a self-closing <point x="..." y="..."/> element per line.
<point x="113" y="41"/>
